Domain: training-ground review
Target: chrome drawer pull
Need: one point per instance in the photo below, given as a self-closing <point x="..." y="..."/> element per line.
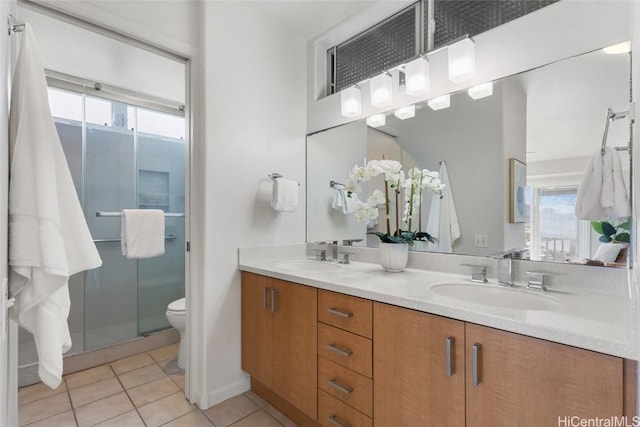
<point x="475" y="349"/>
<point x="343" y="352"/>
<point x="337" y="312"/>
<point x="343" y="388"/>
<point x="448" y="343"/>
<point x="334" y="420"/>
<point x="274" y="293"/>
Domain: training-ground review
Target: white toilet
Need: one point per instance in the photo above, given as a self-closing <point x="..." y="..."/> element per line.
<point x="176" y="317"/>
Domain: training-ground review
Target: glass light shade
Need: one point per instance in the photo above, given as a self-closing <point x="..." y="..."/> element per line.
<point x="417" y="77"/>
<point x="481" y="91"/>
<point x="376" y="120"/>
<point x="405" y="112"/>
<point x="381" y="90"/>
<point x="624" y="47"/>
<point x="351" y="101"/>
<point x="440" y="102"/>
<point x="462" y="61"/>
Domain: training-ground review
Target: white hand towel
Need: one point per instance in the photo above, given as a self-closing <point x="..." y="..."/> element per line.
<point x="285" y="195"/>
<point x="603" y="193"/>
<point x="443" y="218"/>
<point x="48" y="237"/>
<point x="339" y="200"/>
<point x="142" y="233"/>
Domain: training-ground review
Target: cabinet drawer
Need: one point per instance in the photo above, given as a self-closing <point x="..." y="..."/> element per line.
<point x="346" y="349"/>
<point x="334" y="413"/>
<point x="346" y="385"/>
<point x="346" y="312"/>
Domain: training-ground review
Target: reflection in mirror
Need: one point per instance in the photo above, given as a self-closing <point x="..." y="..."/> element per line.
<point x="551" y="119"/>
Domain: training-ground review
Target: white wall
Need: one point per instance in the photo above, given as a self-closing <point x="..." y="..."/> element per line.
<point x="552" y="33"/>
<point x="254" y="110"/>
<point x="97" y="58"/>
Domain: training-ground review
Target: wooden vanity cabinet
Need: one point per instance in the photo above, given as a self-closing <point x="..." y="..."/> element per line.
<point x="531" y="382"/>
<point x="413" y="386"/>
<point x="279" y="339"/>
<point x="514" y="380"/>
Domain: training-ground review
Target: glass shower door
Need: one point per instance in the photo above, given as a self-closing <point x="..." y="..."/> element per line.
<point x="110" y="186"/>
<point x="161" y="178"/>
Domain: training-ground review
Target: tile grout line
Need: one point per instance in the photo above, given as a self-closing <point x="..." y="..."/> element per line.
<point x="73" y="409"/>
<point x="51" y="416"/>
<point x="129" y="397"/>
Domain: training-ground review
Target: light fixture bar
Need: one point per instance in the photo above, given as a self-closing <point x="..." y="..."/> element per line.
<point x="376" y="120"/>
<point x="381" y="87"/>
<point x="351" y="101"/>
<point x="407" y="112"/>
<point x="440" y="102"/>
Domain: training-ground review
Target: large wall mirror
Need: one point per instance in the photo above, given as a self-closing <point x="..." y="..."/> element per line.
<point x="548" y="121"/>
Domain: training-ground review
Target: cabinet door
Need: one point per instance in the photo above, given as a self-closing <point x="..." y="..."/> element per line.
<point x="257" y="328"/>
<point x="531" y="382"/>
<point x="412" y="386"/>
<point x="295" y="346"/>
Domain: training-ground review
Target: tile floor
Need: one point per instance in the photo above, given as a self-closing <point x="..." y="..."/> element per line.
<point x="141" y="390"/>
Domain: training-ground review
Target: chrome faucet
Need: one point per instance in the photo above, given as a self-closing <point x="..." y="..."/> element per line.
<point x="505" y="273"/>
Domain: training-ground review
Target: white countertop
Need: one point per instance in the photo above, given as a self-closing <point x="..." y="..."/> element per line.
<point x="598" y="322"/>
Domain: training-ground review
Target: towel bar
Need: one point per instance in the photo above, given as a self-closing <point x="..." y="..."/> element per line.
<point x="169" y="237"/>
<point x="116" y="214"/>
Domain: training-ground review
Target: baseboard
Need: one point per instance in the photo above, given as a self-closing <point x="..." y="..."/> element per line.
<point x="207" y="400"/>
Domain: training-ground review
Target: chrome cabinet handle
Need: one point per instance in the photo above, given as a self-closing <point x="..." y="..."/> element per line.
<point x="475" y="350"/>
<point x="333" y="419"/>
<point x="274" y="293"/>
<point x="265" y="300"/>
<point x="448" y="342"/>
<point x="343" y="388"/>
<point x="343" y="352"/>
<point x="337" y="312"/>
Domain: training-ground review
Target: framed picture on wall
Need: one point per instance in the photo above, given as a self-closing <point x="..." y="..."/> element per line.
<point x="517" y="187"/>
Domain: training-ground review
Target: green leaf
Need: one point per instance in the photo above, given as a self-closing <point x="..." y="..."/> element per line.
<point x="597" y="226"/>
<point x="605" y="239"/>
<point x="623" y="237"/>
<point x="625" y="225"/>
<point x="608" y="229"/>
<point x="424" y="235"/>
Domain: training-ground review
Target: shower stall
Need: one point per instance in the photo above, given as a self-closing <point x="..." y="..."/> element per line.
<point x="123" y="153"/>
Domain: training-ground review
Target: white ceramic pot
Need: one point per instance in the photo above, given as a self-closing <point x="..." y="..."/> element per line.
<point x="394" y="256"/>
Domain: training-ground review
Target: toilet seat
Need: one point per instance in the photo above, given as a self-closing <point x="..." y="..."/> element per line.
<point x="179" y="306"/>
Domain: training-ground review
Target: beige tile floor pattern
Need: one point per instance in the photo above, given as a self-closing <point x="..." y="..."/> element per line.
<point x="142" y="390"/>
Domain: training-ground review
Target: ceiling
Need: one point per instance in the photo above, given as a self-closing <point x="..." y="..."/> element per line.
<point x="309" y="18"/>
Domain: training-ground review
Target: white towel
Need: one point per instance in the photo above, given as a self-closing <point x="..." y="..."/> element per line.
<point x="285" y="195"/>
<point x="48" y="237"/>
<point x="603" y="193"/>
<point x="443" y="218"/>
<point x="343" y="203"/>
<point x="142" y="233"/>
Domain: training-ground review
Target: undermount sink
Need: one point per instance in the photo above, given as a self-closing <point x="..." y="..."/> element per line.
<point x="308" y="265"/>
<point x="492" y="295"/>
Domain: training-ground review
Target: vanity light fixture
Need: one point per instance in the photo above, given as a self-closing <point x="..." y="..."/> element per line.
<point x="481" y="91"/>
<point x="440" y="102"/>
<point x="381" y="87"/>
<point x="462" y="60"/>
<point x="351" y="101"/>
<point x="376" y="120"/>
<point x="417" y="77"/>
<point x="624" y="47"/>
<point x="404" y="113"/>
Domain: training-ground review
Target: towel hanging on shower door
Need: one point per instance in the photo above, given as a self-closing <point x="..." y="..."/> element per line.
<point x="48" y="236"/>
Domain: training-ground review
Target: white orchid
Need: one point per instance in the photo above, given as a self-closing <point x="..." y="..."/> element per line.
<point x="375" y="199"/>
<point x="365" y="213"/>
<point x="352" y="188"/>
